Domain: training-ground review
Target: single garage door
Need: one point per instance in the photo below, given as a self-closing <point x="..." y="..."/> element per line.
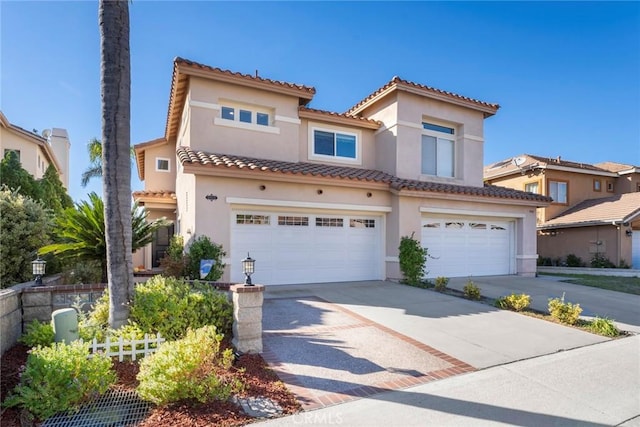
<point x="463" y="246"/>
<point x="292" y="248"/>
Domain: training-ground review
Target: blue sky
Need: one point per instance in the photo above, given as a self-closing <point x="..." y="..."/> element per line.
<point x="566" y="74"/>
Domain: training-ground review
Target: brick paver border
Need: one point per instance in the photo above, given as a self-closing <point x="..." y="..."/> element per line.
<point x="309" y="400"/>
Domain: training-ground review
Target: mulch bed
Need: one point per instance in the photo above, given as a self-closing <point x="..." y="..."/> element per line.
<point x="251" y="369"/>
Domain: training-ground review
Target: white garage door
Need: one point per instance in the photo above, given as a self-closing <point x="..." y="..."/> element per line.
<point x="635" y="249"/>
<point x="460" y="246"/>
<point x="291" y="248"/>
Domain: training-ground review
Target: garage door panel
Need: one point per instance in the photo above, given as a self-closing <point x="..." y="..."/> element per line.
<point x="325" y="248"/>
<point x="464" y="246"/>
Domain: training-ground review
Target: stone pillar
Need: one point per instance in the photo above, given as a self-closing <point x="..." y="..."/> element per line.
<point x="247" y="318"/>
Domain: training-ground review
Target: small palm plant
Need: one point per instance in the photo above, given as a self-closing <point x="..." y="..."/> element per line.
<point x="79" y="233"/>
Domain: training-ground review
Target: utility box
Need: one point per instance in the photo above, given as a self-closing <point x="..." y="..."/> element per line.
<point x="65" y="325"/>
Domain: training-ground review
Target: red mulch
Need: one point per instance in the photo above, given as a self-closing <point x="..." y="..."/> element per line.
<point x="259" y="380"/>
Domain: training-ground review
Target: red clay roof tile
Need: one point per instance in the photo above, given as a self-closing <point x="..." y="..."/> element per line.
<point x="398" y="81"/>
<point x="187" y="156"/>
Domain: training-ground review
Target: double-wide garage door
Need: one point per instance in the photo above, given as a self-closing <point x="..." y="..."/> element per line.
<point x="292" y="248"/>
<point x="463" y="246"/>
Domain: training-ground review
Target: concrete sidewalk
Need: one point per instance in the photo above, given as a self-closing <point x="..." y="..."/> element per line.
<point x="621" y="307"/>
<point x="597" y="385"/>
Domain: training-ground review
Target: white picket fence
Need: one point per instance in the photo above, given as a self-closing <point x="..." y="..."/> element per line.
<point x="127" y="347"/>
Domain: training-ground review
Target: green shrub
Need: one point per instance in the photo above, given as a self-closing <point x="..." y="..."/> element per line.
<point x="59" y="378"/>
<point x="171" y="306"/>
<point x="82" y="272"/>
<point x="413" y="258"/>
<point x="574" y="261"/>
<point x="514" y="302"/>
<point x="190" y="368"/>
<point x="24" y="227"/>
<point x="471" y="291"/>
<point x="565" y="312"/>
<point x="174" y="263"/>
<point x="94" y="324"/>
<point x="603" y="326"/>
<point x="203" y="248"/>
<point x="38" y="334"/>
<point x="600" y="261"/>
<point x="623" y="264"/>
<point x="441" y="283"/>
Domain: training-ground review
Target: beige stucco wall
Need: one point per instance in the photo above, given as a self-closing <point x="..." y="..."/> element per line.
<point x="160" y="180"/>
<point x="614" y="244"/>
<point x="214" y="217"/>
<point x="30" y="152"/>
<point x="215" y="136"/>
<point x="399" y="143"/>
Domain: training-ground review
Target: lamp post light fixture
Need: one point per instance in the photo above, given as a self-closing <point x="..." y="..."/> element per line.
<point x="248" y="267"/>
<point x="37" y="268"/>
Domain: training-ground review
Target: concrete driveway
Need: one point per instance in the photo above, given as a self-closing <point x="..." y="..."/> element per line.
<point x="335" y="342"/>
<point x="390" y="354"/>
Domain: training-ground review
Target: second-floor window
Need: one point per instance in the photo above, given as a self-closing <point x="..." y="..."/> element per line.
<point x="162" y="164"/>
<point x="558" y="191"/>
<point x="335" y="144"/>
<point x="244" y="115"/>
<point x="438" y="150"/>
<point x="532" y="187"/>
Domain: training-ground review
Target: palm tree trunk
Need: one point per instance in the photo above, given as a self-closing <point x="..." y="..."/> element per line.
<point x="115" y="82"/>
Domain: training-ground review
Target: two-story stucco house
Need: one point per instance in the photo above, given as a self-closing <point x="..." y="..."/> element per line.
<point x="37" y="152"/>
<point x="319" y="196"/>
<point x="595" y="211"/>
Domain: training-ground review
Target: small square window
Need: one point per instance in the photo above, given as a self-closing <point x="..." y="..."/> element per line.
<point x="610" y="186"/>
<point x="597" y="185"/>
<point x="228" y="113"/>
<point x="245" y="116"/>
<point x="262" y="119"/>
<point x="162" y="165"/>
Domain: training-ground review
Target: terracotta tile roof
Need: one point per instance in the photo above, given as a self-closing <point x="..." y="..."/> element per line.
<point x="532" y="162"/>
<point x="615" y="167"/>
<point x="343" y="117"/>
<point x="181" y="61"/>
<point x="160" y="194"/>
<point x="619" y="208"/>
<point x="183" y="68"/>
<point x="558" y="161"/>
<point x="187" y="156"/>
<point x="427" y="90"/>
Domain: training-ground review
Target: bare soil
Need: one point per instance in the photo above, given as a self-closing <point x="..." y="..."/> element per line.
<point x="251" y="369"/>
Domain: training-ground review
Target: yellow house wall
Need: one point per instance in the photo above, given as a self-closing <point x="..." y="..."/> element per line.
<point x="614" y="244"/>
<point x="29" y="152"/>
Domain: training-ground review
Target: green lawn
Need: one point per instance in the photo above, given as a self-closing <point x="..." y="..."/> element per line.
<point x="629" y="285"/>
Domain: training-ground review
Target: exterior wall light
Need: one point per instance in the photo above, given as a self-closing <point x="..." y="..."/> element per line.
<point x="38" y="268"/>
<point x="248" y="267"/>
<point x="629" y="232"/>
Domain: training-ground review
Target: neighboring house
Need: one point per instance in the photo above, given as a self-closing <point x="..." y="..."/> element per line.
<point x="595" y="210"/>
<point x="37" y="152"/>
<point x="319" y="196"/>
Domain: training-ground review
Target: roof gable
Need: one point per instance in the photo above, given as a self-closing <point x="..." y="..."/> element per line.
<point x="608" y="210"/>
<point x="396" y="83"/>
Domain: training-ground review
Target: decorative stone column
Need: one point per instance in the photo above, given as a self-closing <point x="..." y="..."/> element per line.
<point x="247" y="318"/>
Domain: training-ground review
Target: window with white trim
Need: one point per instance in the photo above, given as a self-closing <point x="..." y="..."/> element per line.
<point x="246" y="114"/>
<point x="362" y="223"/>
<point x="253" y="219"/>
<point x="438" y="150"/>
<point x="162" y="164"/>
<point x="336" y="144"/>
<point x="558" y="191"/>
<point x="329" y="222"/>
<point x="532" y="187"/>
